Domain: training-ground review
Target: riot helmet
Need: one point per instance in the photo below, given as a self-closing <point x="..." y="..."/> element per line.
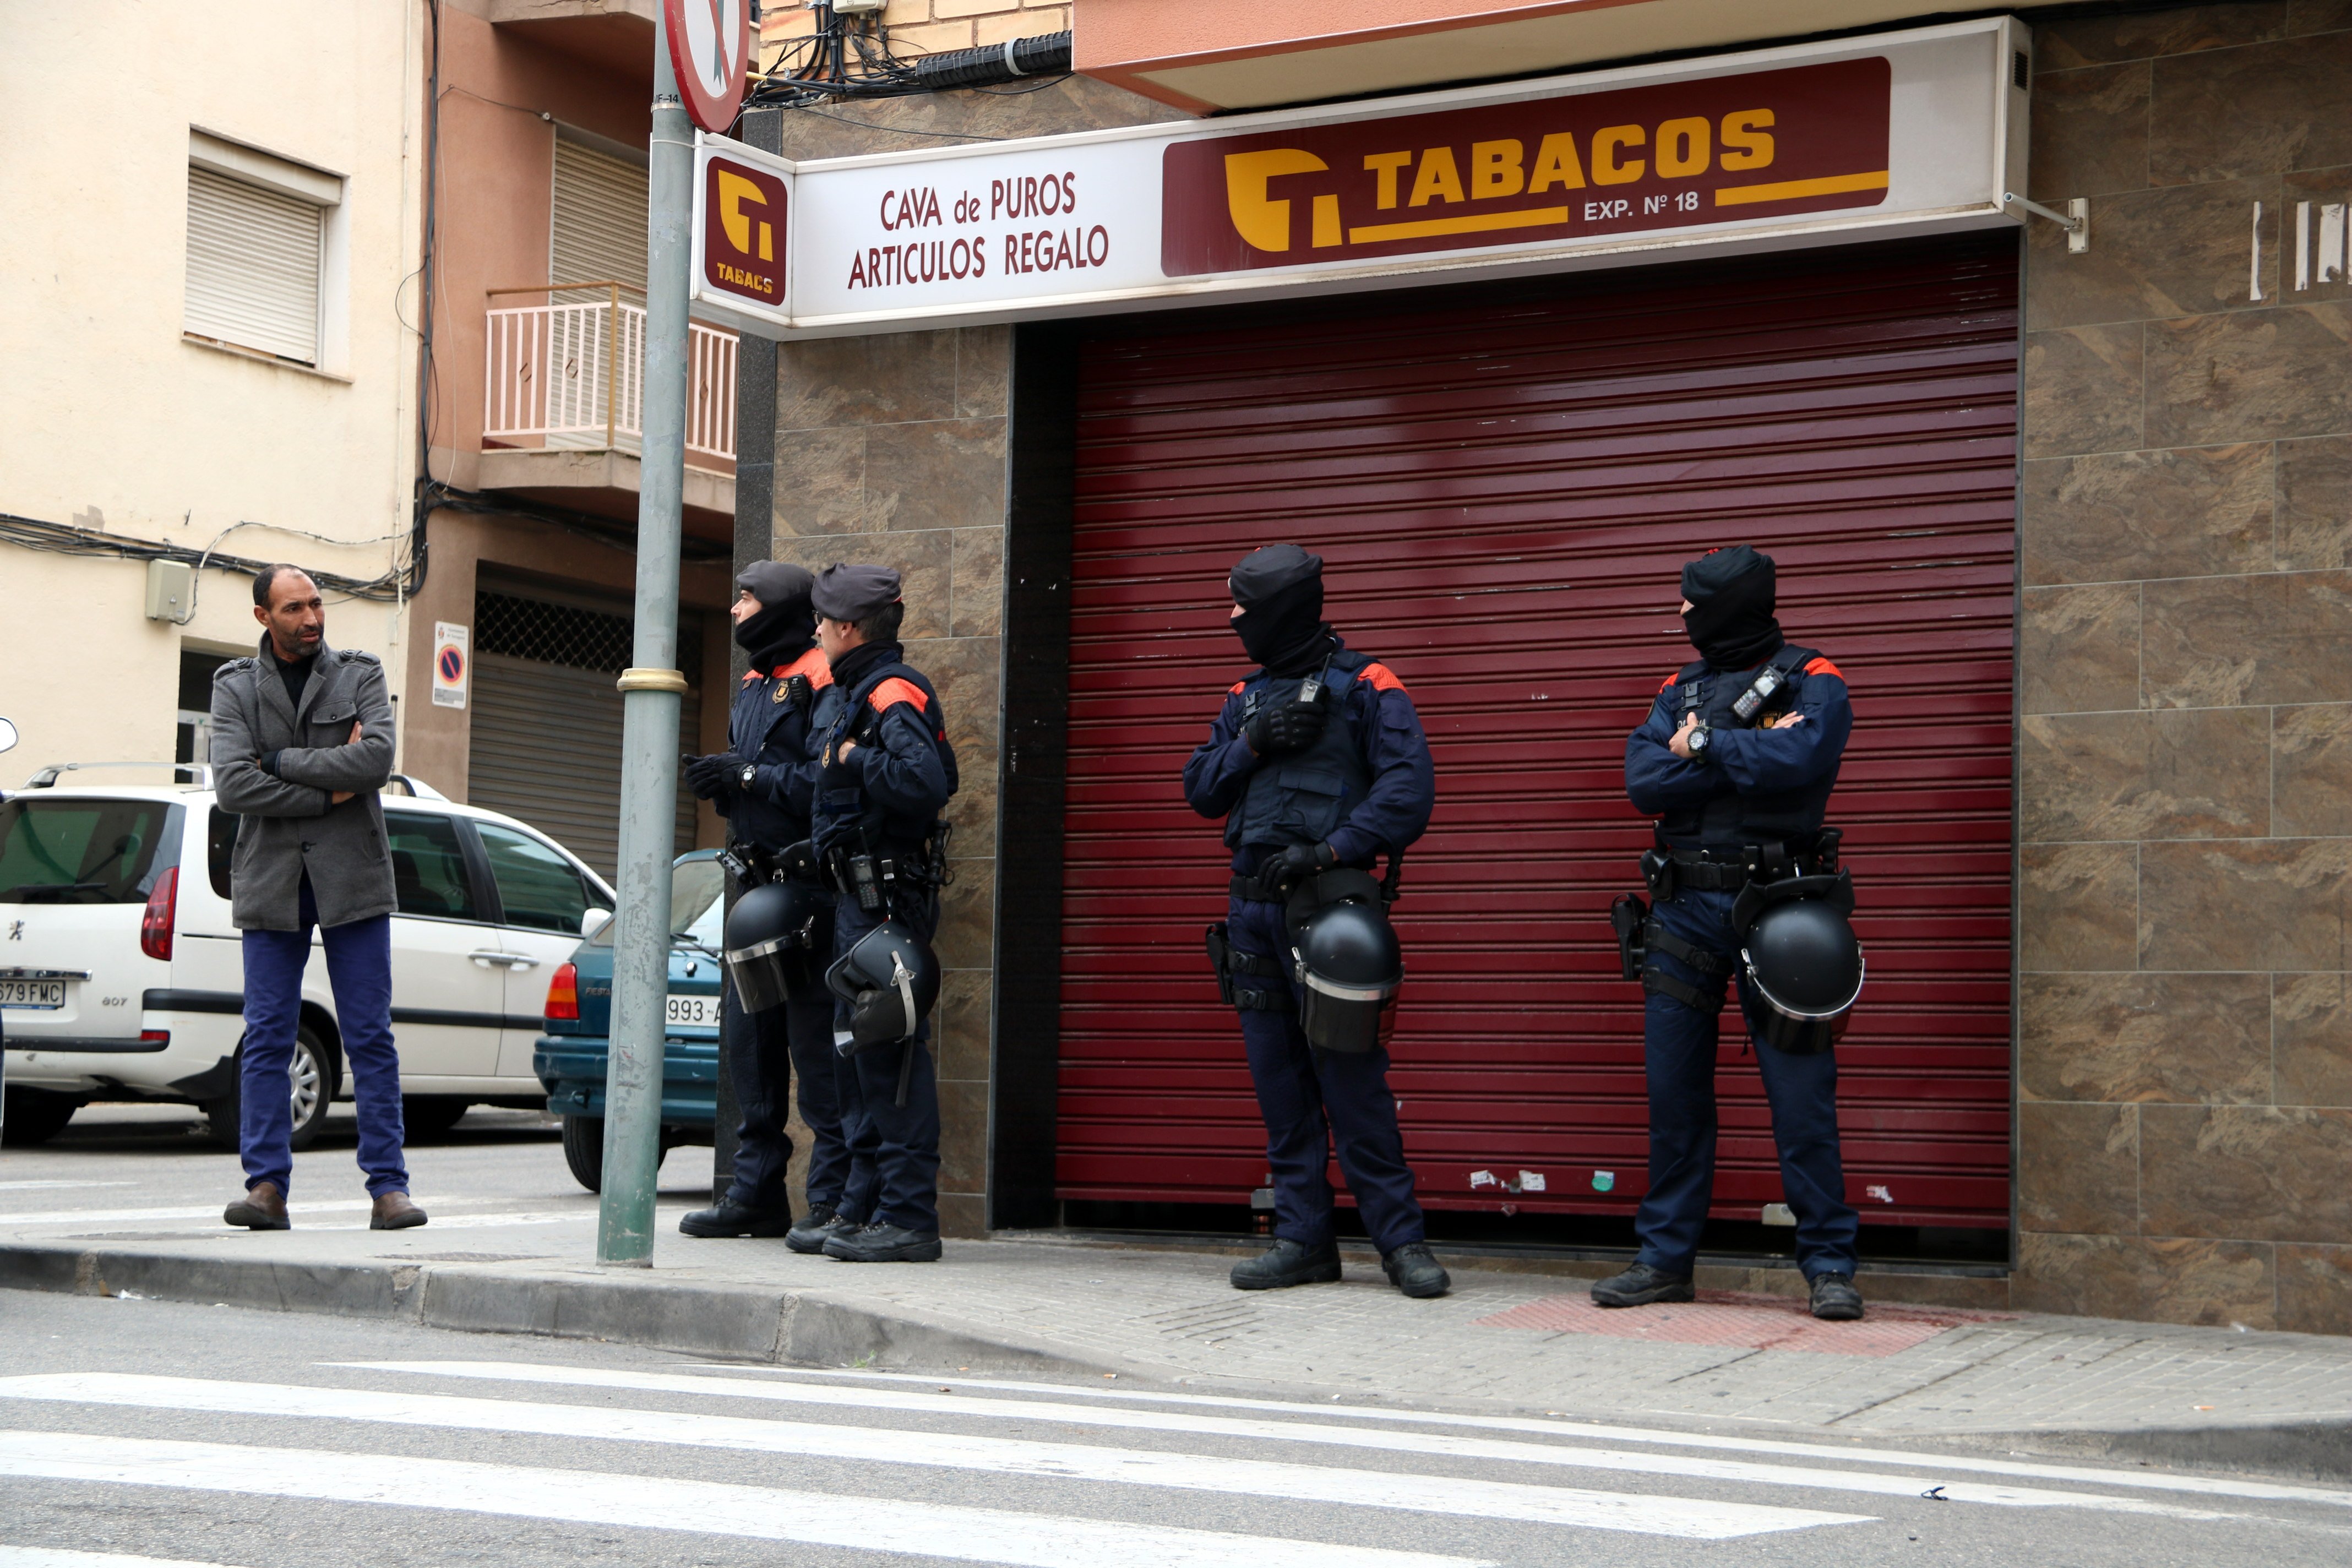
<point x="1346" y="957"/>
<point x="774" y="936"/>
<point x="890" y="978"/>
<point x="1804" y="970"/>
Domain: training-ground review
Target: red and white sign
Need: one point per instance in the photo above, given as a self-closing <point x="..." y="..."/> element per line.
<point x="453" y="664"/>
<point x="743" y="235"/>
<point x="711" y="54"/>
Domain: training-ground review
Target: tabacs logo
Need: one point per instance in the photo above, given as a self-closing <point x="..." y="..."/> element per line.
<point x="743" y="247"/>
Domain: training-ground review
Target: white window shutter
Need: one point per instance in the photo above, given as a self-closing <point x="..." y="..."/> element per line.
<point x="253" y="267"/>
<point x="599" y="227"/>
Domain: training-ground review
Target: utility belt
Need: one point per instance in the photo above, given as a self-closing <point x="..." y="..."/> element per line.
<point x="1252" y="982"/>
<point x="1242" y="977"/>
<point x="1667" y="870"/>
<point x="751" y="865"/>
<point x="875" y="876"/>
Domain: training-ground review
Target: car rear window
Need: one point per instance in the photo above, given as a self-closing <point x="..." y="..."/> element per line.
<point x="85" y="851"/>
<point x="698" y="910"/>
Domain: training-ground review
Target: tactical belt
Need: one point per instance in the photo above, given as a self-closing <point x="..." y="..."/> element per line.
<point x="1258" y="889"/>
<point x="1708" y="876"/>
<point x="1656" y="939"/>
<point x="1266" y="966"/>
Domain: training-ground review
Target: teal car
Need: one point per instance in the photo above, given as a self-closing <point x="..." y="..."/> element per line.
<point x="569" y="1058"/>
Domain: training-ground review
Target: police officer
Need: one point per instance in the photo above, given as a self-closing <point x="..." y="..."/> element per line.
<point x="1736" y="794"/>
<point x="1268" y="768"/>
<point x="886" y="772"/>
<point x="764" y="785"/>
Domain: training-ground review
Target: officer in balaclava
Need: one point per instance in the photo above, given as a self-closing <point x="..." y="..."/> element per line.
<point x="1737" y="760"/>
<point x="887" y="772"/>
<point x="1316" y="761"/>
<point x="764" y="785"/>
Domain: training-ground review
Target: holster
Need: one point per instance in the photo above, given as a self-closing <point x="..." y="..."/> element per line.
<point x="1220" y="955"/>
<point x="1629" y="914"/>
<point x="1232" y="965"/>
<point x="1658" y="872"/>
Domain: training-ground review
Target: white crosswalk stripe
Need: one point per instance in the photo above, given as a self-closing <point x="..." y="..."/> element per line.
<point x="1691" y="1519"/>
<point x="52" y="1557"/>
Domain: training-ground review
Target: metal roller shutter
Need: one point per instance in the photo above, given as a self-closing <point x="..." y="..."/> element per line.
<point x="253" y="267"/>
<point x="598" y="231"/>
<point x="1504" y="480"/>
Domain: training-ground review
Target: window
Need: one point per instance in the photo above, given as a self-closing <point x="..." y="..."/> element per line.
<point x="537" y="886"/>
<point x="428" y="867"/>
<point x="261" y="232"/>
<point x="196" y="671"/>
<point x="84" y="851"/>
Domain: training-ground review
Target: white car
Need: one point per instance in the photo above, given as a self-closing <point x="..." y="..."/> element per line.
<point x="121" y="977"/>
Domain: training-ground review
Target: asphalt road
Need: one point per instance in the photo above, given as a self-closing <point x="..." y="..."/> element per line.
<point x="155" y="1430"/>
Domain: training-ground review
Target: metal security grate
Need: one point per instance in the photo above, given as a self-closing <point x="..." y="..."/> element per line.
<point x="550" y="634"/>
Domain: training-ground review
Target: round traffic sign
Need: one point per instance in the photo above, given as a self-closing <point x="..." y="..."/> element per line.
<point x="710" y="53"/>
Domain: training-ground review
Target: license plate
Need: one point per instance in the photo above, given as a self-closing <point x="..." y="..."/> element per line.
<point x="32" y="992"/>
<point x="693" y="1011"/>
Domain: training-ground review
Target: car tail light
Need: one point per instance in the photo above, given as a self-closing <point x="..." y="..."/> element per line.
<point x="564" y="994"/>
<point x="161" y="915"/>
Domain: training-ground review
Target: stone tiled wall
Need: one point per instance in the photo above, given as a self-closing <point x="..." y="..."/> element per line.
<point x="2185" y="755"/>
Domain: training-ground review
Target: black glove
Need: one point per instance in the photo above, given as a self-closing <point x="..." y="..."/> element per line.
<point x="1286" y="727"/>
<point x="712" y="777"/>
<point x="1297" y="863"/>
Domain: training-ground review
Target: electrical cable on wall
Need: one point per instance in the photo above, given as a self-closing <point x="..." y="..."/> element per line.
<point x="850" y="56"/>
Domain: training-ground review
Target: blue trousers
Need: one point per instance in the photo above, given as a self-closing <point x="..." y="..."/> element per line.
<point x="359" y="968"/>
<point x="1315" y="1101"/>
<point x="900" y="1144"/>
<point x="764" y="1052"/>
<point x="1679" y="1053"/>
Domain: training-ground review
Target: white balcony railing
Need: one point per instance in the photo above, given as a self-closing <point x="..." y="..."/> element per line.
<point x="573" y="375"/>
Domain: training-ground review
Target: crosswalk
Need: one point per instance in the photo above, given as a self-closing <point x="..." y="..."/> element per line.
<point x="1041" y="1474"/>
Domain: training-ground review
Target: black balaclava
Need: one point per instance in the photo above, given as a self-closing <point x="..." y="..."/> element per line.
<point x="784" y="626"/>
<point x="1731" y="618"/>
<point x="1280" y="591"/>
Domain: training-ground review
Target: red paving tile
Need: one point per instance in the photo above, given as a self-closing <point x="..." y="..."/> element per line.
<point x="1752" y="1323"/>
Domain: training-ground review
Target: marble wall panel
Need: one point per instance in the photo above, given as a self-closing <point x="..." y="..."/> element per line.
<point x="2250" y="1172"/>
<point x="2096" y="41"/>
<point x="2090" y="131"/>
<point x="2077" y="1167"/>
<point x="2314" y="1288"/>
<point x="983" y="372"/>
<point x="963" y="1024"/>
<point x="2250" y="375"/>
<point x="820" y="482"/>
<point x="2314" y="503"/>
<point x="2182" y="1038"/>
<point x="2311" y="771"/>
<point x="2221" y="113"/>
<point x="2177" y="251"/>
<point x="2273" y="904"/>
<point x="2078" y="906"/>
<point x="2167" y="1278"/>
<point x="877" y="380"/>
<point x="2126" y="515"/>
<point x="977" y="589"/>
<point x="2078" y="648"/>
<point x="2184" y="774"/>
<point x="2083" y="391"/>
<point x="2311" y="1039"/>
<point x="2284" y="637"/>
<point x="945" y="474"/>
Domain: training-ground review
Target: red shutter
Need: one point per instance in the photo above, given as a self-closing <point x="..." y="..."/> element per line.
<point x="1503" y="481"/>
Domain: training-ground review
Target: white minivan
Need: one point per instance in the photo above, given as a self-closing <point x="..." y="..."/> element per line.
<point x="121" y="977"/>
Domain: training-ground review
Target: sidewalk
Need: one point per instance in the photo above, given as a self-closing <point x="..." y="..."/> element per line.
<point x="1502" y="1340"/>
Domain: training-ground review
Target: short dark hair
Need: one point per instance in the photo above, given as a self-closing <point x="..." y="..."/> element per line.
<point x="882" y="626"/>
<point x="267" y="578"/>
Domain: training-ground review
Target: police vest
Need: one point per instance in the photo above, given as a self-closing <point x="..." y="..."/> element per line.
<point x="1302" y="797"/>
<point x="776" y="712"/>
<point x="859" y="720"/>
<point x="1727" y="820"/>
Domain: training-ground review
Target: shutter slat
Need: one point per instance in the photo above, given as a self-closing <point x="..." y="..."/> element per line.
<point x="253" y="267"/>
<point x="598" y="228"/>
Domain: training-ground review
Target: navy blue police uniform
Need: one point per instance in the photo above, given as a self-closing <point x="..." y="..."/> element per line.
<point x="1756" y="794"/>
<point x="1365" y="787"/>
<point x="883" y="800"/>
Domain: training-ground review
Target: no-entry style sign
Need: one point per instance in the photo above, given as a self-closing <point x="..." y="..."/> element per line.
<point x="711" y="52"/>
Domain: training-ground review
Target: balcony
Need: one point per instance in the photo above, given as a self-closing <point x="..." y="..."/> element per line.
<point x="563" y="401"/>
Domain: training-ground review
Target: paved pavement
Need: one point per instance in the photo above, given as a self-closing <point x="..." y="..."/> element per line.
<point x="119" y="1206"/>
<point x="144" y="1433"/>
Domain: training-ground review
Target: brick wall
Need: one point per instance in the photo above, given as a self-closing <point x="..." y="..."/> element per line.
<point x="2185" y="753"/>
<point x="931" y="26"/>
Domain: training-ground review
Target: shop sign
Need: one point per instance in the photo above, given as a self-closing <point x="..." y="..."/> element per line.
<point x="1919" y="132"/>
<point x="743" y="235"/>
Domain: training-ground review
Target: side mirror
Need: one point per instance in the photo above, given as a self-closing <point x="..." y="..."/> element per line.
<point x="594" y="920"/>
<point x="7" y="734"/>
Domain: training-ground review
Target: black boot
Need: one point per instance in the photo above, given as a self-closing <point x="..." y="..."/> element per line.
<point x="811" y="1234"/>
<point x="728" y="1217"/>
<point x="1834" y="1298"/>
<point x="877" y="1242"/>
<point x="1288" y="1263"/>
<point x="1412" y="1270"/>
<point x="1641" y="1285"/>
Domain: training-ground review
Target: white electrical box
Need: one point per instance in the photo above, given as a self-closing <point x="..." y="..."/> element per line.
<point x="170" y="591"/>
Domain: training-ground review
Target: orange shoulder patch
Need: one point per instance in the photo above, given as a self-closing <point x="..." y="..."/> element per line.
<point x="1823" y="667"/>
<point x="1382" y="678"/>
<point x="750" y="676"/>
<point x="1236" y="691"/>
<point x="813" y="667"/>
<point x="1670" y="680"/>
<point x="893" y="691"/>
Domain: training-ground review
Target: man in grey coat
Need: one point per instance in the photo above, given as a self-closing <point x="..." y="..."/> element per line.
<point x="302" y="741"/>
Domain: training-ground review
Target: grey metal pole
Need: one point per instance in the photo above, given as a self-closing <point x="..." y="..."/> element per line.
<point x="649" y="735"/>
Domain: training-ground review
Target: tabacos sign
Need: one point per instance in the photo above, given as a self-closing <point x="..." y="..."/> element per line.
<point x="1812" y="138"/>
<point x="742" y="230"/>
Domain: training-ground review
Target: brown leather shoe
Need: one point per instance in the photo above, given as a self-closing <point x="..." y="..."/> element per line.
<point x="394" y="1211"/>
<point x="263" y="1208"/>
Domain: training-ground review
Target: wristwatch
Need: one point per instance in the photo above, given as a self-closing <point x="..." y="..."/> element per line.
<point x="1698" y="743"/>
<point x="744" y="774"/>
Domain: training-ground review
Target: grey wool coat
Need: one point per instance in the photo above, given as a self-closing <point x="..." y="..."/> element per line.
<point x="289" y="824"/>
